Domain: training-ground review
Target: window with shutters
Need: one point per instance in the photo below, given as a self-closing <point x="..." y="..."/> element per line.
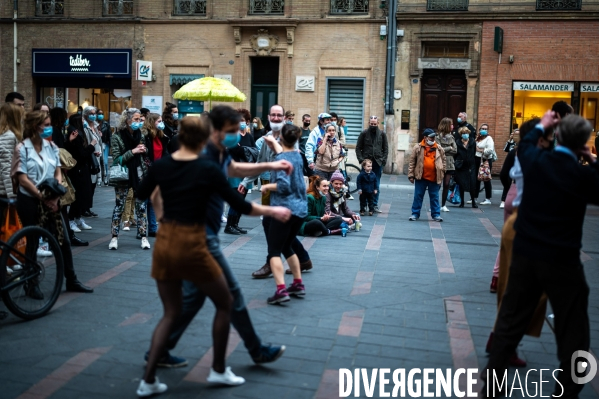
<point x="345" y="97"/>
<point x="117" y="7"/>
<point x="47" y="8"/>
<point x="190" y="7"/>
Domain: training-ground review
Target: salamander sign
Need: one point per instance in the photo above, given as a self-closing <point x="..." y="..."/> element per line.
<point x="589" y="87"/>
<point x="543" y="86"/>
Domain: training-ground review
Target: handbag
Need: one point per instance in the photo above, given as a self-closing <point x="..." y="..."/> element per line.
<point x="69" y="196"/>
<point x="484" y="172"/>
<point x="118" y="174"/>
<point x="12" y="224"/>
<point x="67" y="161"/>
<point x="454" y="195"/>
<point x="94" y="165"/>
<point x="458" y="164"/>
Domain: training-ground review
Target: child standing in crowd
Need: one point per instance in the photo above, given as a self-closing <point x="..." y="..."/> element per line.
<point x="290" y="192"/>
<point x="368" y="186"/>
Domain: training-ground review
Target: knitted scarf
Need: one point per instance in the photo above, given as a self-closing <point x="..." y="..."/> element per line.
<point x="337" y="199"/>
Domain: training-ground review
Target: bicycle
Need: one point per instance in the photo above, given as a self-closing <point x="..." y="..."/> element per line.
<point x="350" y="173"/>
<point x="30" y="282"/>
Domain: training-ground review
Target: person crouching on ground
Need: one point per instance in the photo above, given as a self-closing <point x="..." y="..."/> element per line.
<point x="427" y="168"/>
<point x="336" y="201"/>
<point x="368" y="186"/>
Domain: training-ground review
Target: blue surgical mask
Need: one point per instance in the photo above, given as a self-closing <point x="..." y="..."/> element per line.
<point x="92" y="117"/>
<point x="231" y="139"/>
<point x="66" y="123"/>
<point x="100" y="117"/>
<point x="160" y="126"/>
<point x="243" y="125"/>
<point x="459" y="120"/>
<point x="79" y="112"/>
<point x="334" y="123"/>
<point x="465" y="136"/>
<point x="255" y="125"/>
<point x="483" y="132"/>
<point x="47" y="132"/>
<point x="136" y="125"/>
<point x="175" y="116"/>
<point x="289" y="122"/>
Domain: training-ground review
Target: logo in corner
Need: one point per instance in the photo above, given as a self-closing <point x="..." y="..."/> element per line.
<point x="582" y="362"/>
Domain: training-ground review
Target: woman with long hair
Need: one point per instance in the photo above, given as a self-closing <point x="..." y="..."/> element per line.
<point x="170" y="117"/>
<point x="11" y="133"/>
<point x="317" y="223"/>
<point x="157" y="143"/>
<point x="185" y="183"/>
<point x="257" y="128"/>
<point x="446" y="140"/>
<point x="39" y="160"/>
<point x="129" y="149"/>
<point x="77" y="145"/>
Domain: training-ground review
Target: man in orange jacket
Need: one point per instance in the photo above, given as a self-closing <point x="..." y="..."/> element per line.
<point x="427" y="168"/>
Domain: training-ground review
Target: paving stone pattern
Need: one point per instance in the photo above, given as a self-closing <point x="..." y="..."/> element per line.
<point x="397" y="294"/>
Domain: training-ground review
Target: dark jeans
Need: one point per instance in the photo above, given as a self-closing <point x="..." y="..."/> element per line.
<point x="488" y="186"/>
<point x="420" y="186"/>
<point x="507" y="183"/>
<point x="378" y="171"/>
<point x="366" y="199"/>
<point x="27" y="208"/>
<point x="233" y="212"/>
<point x="317" y="225"/>
<point x="568" y="292"/>
<point x="296" y="245"/>
<point x="323" y="174"/>
<point x="193" y="300"/>
<point x="152" y="224"/>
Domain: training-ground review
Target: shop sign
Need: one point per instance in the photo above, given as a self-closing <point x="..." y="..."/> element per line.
<point x="589" y="87"/>
<point x="153" y="103"/>
<point x="115" y="63"/>
<point x="144" y="70"/>
<point x="543" y="86"/>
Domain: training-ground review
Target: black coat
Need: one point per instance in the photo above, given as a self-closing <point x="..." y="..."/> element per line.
<point x="170" y="131"/>
<point x="58" y="137"/>
<point x="458" y="137"/>
<point x="80" y="175"/>
<point x="150" y="146"/>
<point x="465" y="175"/>
<point x="106" y="133"/>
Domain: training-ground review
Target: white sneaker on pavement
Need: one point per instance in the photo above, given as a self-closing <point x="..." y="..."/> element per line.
<point x="146" y="389"/>
<point x="469" y="202"/>
<point x="227" y="378"/>
<point x="42" y="251"/>
<point x="74" y="227"/>
<point x="444" y="209"/>
<point x="145" y="244"/>
<point x="502" y="205"/>
<point x="126" y="226"/>
<point x="249" y="191"/>
<point x="82" y="225"/>
<point x="223" y="219"/>
<point x="114" y="243"/>
<point x="486" y="202"/>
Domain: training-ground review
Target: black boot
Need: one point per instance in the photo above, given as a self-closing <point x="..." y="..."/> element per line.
<point x="229" y="228"/>
<point x="74" y="285"/>
<point x="236" y="225"/>
<point x="78" y="242"/>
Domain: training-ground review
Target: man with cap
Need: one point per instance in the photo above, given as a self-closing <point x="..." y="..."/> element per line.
<point x="317" y="133"/>
<point x="427" y="168"/>
<point x="372" y="144"/>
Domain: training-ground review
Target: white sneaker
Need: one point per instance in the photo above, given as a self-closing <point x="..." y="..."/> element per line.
<point x="486" y="202"/>
<point x="126" y="225"/>
<point x="227" y="378"/>
<point x="350" y="197"/>
<point x="82" y="225"/>
<point x="114" y="243"/>
<point x="146" y="389"/>
<point x="9" y="271"/>
<point x="502" y="205"/>
<point x="249" y="191"/>
<point x="223" y="219"/>
<point x="42" y="251"/>
<point x="74" y="227"/>
<point x="145" y="244"/>
<point x="444" y="209"/>
<point x="469" y="202"/>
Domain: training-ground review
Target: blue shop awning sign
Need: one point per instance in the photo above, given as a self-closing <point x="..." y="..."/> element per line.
<point x="115" y="63"/>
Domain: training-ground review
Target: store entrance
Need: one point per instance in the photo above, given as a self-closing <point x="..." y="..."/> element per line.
<point x="265" y="86"/>
<point x="443" y="95"/>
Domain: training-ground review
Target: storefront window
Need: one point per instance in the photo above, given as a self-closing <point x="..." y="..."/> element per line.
<point x="533" y="99"/>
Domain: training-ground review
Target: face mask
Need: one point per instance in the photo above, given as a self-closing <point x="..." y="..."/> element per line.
<point x="47" y="132"/>
<point x="276" y="127"/>
<point x="175" y="116"/>
<point x="289" y="122"/>
<point x="92" y="118"/>
<point x="483" y="132"/>
<point x="136" y="125"/>
<point x="372" y="128"/>
<point x="79" y="112"/>
<point x="459" y="120"/>
<point x="321" y="193"/>
<point x="306" y="124"/>
<point x="465" y="136"/>
<point x="231" y="139"/>
<point x="66" y="123"/>
<point x="255" y="125"/>
<point x="334" y="123"/>
<point x="243" y="125"/>
<point x="430" y="142"/>
<point x="100" y="117"/>
<point x="160" y="126"/>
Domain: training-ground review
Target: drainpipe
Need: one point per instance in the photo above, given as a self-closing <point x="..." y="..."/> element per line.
<point x="391" y="51"/>
<point x="15" y="15"/>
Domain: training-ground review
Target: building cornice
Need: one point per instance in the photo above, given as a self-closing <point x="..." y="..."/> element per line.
<point x="440" y="16"/>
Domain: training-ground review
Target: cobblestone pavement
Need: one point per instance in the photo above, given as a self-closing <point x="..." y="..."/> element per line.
<point x="397" y="294"/>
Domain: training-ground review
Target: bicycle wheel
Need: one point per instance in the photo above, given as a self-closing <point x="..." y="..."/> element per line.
<point x="351" y="176"/>
<point x="31" y="272"/>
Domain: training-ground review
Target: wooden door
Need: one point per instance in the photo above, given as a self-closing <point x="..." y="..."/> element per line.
<point x="443" y="94"/>
<point x="265" y="86"/>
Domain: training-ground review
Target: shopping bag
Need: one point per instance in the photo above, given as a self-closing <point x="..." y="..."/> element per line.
<point x="484" y="172"/>
<point x="454" y="195"/>
<point x="11" y="225"/>
<point x="452" y="183"/>
<point x="69" y="197"/>
<point x="118" y="175"/>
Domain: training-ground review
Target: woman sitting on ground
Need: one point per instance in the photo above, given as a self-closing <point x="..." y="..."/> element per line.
<point x="318" y="223"/>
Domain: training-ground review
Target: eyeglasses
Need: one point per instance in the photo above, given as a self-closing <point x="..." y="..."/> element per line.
<point x="277" y="115"/>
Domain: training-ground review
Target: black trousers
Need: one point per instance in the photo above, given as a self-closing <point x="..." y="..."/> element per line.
<point x="296" y="245"/>
<point x="568" y="292"/>
<point x="367" y="199"/>
<point x="27" y="208"/>
<point x="281" y="235"/>
<point x="507" y="183"/>
<point x="317" y="225"/>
